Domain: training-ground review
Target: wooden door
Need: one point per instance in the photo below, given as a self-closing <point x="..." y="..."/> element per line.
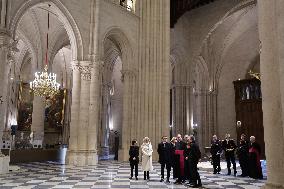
<point x="248" y="105"/>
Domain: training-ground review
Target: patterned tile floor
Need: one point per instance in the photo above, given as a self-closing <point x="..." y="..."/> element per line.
<point x="109" y="174"/>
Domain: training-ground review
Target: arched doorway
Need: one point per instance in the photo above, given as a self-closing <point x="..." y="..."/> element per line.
<point x="29" y="25"/>
<point x="117" y="95"/>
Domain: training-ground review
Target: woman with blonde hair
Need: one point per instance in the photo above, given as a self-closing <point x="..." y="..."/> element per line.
<point x="147" y="151"/>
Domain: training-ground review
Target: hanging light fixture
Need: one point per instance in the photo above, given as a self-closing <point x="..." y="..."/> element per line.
<point x="45" y="84"/>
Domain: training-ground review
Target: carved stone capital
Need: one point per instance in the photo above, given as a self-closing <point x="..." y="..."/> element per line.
<point x="85" y="72"/>
<point x="9" y="44"/>
<point x="126" y="73"/>
<point x="94" y="58"/>
<point x="85" y="68"/>
<point x="75" y="65"/>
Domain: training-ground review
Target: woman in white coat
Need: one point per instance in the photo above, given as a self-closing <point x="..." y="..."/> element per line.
<point x="147" y="151"/>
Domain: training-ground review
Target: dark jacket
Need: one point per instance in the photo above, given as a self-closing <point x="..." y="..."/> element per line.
<point x="164" y="151"/>
<point x="193" y="153"/>
<point x="243" y="149"/>
<point x="216" y="147"/>
<point x="134" y="152"/>
<point x="229" y="147"/>
<point x="180" y="145"/>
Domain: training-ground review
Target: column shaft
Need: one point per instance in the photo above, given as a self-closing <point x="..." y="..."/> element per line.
<point x="38" y="118"/>
<point x="94" y="114"/>
<point x="271" y="60"/>
<point x="75" y="109"/>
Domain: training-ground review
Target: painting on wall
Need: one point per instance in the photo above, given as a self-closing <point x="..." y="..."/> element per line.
<point x="54" y="111"/>
<point x="25" y="107"/>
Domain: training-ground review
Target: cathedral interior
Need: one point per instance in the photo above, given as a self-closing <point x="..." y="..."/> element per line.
<point x="81" y="79"/>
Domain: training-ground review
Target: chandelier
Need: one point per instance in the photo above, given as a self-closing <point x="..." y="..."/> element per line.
<point x="45" y="84"/>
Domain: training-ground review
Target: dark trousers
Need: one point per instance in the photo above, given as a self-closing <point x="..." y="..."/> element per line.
<point x="230" y="158"/>
<point x="146" y="174"/>
<point x="176" y="169"/>
<point x="186" y="170"/>
<point x="244" y="164"/>
<point x="194" y="176"/>
<point x="216" y="163"/>
<point x="177" y="172"/>
<point x="168" y="167"/>
<point x="134" y="165"/>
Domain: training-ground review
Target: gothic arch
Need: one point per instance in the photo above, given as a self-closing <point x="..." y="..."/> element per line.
<point x="215" y="63"/>
<point x="230" y="39"/>
<point x="122" y="43"/>
<point x="178" y="63"/>
<point x="63" y="15"/>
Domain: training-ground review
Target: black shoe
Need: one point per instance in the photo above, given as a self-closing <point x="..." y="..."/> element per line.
<point x="199" y="185"/>
<point x="162" y="180"/>
<point x="193" y="185"/>
<point x="235" y="173"/>
<point x="177" y="182"/>
<point x="168" y="181"/>
<point x="188" y="184"/>
<point x="136" y="178"/>
<point x="130" y="177"/>
<point x="214" y="172"/>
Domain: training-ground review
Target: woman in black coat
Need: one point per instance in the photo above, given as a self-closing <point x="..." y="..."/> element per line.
<point x="134" y="158"/>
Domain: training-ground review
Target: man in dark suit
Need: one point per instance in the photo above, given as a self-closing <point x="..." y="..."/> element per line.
<point x="134" y="158"/>
<point x="229" y="147"/>
<point x="165" y="151"/>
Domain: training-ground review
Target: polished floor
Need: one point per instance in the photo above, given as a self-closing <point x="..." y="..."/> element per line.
<point x="109" y="174"/>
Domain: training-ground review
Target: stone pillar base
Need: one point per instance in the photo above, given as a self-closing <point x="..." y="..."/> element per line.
<point x="81" y="157"/>
<point x="4" y="164"/>
<point x="272" y="186"/>
<point x="104" y="155"/>
<point x="123" y="154"/>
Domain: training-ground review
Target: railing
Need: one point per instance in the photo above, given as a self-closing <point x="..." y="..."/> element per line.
<point x="21" y="140"/>
<point x="127" y="4"/>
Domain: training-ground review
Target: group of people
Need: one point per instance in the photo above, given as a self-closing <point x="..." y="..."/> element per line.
<point x="181" y="155"/>
<point x="248" y="153"/>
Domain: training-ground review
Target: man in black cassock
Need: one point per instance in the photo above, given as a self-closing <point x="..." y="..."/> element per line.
<point x="193" y="155"/>
<point x="174" y="162"/>
<point x="229" y="147"/>
<point x="164" y="151"/>
<point x="216" y="150"/>
<point x="179" y="148"/>
<point x="255" y="170"/>
<point x="243" y="155"/>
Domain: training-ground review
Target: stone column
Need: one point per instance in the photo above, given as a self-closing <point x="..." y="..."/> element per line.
<point x="38" y="118"/>
<point x="75" y="109"/>
<point x="4" y="71"/>
<point x="271" y="30"/>
<point x="82" y="150"/>
<point x="94" y="113"/>
<point x="154" y="71"/>
<point x="105" y="122"/>
<point x="123" y="152"/>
